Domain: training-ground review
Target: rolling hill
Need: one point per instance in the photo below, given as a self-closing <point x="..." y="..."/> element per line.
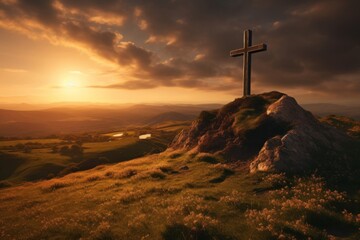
<point x="45" y="160"/>
<point x="64" y="120"/>
<point x="324" y="109"/>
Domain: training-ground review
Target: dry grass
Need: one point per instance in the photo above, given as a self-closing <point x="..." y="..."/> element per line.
<point x="157" y="174"/>
<point x="52" y="186"/>
<point x="235" y="198"/>
<point x="291" y="209"/>
<point x="129" y="201"/>
<point x="93" y="178"/>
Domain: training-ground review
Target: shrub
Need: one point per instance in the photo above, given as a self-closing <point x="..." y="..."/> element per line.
<point x="109" y="174"/>
<point x="208" y="158"/>
<point x="93" y="178"/>
<point x="19" y="146"/>
<point x="53" y="186"/>
<point x="157" y="174"/>
<point x="27" y="149"/>
<point x="74" y="150"/>
<point x="64" y="150"/>
<point x="128" y="173"/>
<point x="175" y="155"/>
<point x="168" y="170"/>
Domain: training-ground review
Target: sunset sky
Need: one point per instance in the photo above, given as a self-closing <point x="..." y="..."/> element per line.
<point x="176" y="51"/>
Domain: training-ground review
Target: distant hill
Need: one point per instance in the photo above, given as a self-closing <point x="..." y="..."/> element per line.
<point x="9" y="116"/>
<point x="170" y="116"/>
<point x="324" y="109"/>
<point x="63" y="120"/>
<point x="72" y="118"/>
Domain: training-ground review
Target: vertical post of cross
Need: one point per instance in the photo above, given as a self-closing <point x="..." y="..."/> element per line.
<point x="247" y="62"/>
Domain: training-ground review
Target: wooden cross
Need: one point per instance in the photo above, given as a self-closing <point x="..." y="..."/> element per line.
<point x="247" y="50"/>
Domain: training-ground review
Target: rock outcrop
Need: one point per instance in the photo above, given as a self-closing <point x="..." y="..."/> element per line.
<point x="270" y="131"/>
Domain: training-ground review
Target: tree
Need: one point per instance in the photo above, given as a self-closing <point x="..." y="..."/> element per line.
<point x="76" y="150"/>
<point x="64" y="150"/>
<point x="27" y="149"/>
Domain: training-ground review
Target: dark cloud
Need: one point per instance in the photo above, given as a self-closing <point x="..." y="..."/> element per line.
<point x="41" y="10"/>
<point x="130" y="85"/>
<point x="101" y="42"/>
<point x="310" y="42"/>
<point x="314" y="45"/>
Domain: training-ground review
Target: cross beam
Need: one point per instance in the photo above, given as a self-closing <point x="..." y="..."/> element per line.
<point x="247" y="50"/>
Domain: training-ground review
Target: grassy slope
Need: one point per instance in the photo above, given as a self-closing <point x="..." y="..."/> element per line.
<point x="41" y="162"/>
<point x="31" y="166"/>
<point x="152" y="198"/>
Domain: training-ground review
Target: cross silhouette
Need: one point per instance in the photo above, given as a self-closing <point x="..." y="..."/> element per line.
<point x="247" y="50"/>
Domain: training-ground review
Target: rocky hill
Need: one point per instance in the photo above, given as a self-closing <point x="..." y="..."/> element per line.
<point x="270" y="131"/>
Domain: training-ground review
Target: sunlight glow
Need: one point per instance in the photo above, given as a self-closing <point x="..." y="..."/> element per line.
<point x="71" y="87"/>
<point x="71" y="83"/>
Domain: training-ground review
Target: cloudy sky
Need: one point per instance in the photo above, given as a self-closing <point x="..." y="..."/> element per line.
<point x="176" y="51"/>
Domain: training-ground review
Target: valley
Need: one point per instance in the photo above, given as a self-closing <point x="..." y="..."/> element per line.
<point x="23" y="160"/>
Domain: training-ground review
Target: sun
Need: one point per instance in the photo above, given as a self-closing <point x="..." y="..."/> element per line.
<point x="72" y="87"/>
<point x="71" y="83"/>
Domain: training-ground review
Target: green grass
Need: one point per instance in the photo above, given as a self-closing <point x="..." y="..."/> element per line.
<point x="35" y="165"/>
<point x="17" y="167"/>
<point x="107" y="146"/>
<point x="152" y="198"/>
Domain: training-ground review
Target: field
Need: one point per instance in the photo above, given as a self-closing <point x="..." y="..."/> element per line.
<point x="35" y="159"/>
<point x="174" y="195"/>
